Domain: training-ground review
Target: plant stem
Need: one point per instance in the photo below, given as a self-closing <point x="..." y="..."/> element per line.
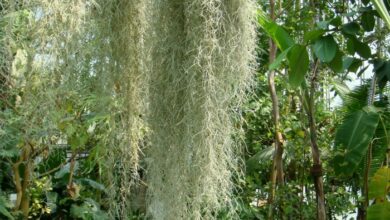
<point x="277" y="164"/>
<point x="316" y="170"/>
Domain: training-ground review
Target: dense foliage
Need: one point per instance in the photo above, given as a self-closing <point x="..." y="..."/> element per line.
<point x="194" y="109"/>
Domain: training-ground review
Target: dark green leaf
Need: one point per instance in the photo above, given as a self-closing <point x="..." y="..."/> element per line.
<point x="298" y="59"/>
<point x="352" y="140"/>
<point x="354" y="45"/>
<point x="368" y="21"/>
<point x="351" y="64"/>
<point x="351" y="46"/>
<point x="336" y="21"/>
<point x="337" y="63"/>
<point x="351" y="28"/>
<point x="382" y="71"/>
<point x="363" y="50"/>
<point x="378" y="63"/>
<point x="325" y="48"/>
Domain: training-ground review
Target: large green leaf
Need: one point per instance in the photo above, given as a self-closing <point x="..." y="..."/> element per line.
<point x="379" y="211"/>
<point x="298" y="59"/>
<point x="325" y="48"/>
<point x="382" y="140"/>
<point x="354" y="45"/>
<point x="347" y="62"/>
<point x="379" y="184"/>
<point x="351" y="64"/>
<point x="277" y="33"/>
<point x="261" y="156"/>
<point x="92" y="183"/>
<point x="352" y="140"/>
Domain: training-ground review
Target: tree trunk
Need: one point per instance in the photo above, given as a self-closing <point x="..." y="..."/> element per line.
<point x="21" y="185"/>
<point x="25" y="203"/>
<point x="277" y="164"/>
<point x="316" y="170"/>
<point x="18" y="185"/>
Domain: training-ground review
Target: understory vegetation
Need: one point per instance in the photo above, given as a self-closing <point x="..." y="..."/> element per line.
<point x="194" y="109"/>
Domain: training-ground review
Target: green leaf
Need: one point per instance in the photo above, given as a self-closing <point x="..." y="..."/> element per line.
<point x="323" y="24"/>
<point x="352" y="140"/>
<point x="92" y="184"/>
<point x="351" y="28"/>
<point x="278" y="61"/>
<point x="379" y="184"/>
<point x="261" y="156"/>
<point x="4" y="204"/>
<point x="325" y="48"/>
<point x="355" y="65"/>
<point x="341" y="88"/>
<point x="298" y="59"/>
<point x="65" y="170"/>
<point x="354" y="45"/>
<point x="363" y="49"/>
<point x="351" y="64"/>
<point x="368" y="21"/>
<point x="88" y="210"/>
<point x="5" y="212"/>
<point x="336" y="21"/>
<point x="78" y="140"/>
<point x="379" y="211"/>
<point x="351" y="46"/>
<point x="277" y="33"/>
<point x="382" y="71"/>
<point x="11" y="152"/>
<point x="337" y="63"/>
<point x="313" y="35"/>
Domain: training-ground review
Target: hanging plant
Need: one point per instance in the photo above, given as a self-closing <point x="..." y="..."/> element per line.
<point x="202" y="55"/>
